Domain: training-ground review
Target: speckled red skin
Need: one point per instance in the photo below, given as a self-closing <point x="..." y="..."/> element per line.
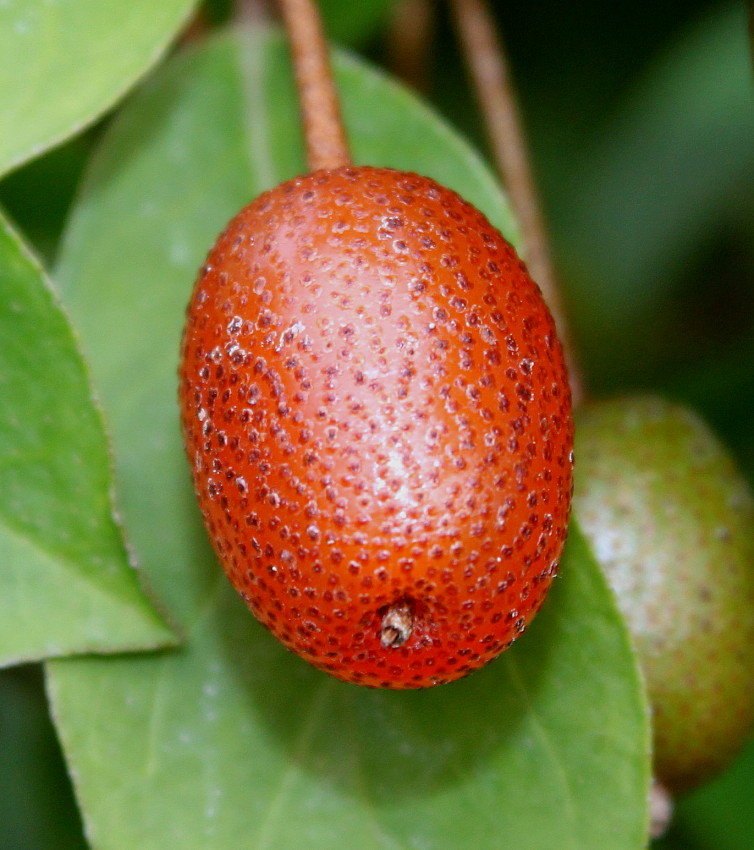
<point x="376" y="410"/>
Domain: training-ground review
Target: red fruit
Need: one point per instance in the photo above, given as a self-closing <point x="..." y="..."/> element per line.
<point x="377" y="413"/>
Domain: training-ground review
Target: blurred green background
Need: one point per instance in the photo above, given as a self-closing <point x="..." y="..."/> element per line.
<point x="640" y="120"/>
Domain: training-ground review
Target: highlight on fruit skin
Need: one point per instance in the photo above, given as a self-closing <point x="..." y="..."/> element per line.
<point x="377" y="414"/>
<point x="671" y="522"/>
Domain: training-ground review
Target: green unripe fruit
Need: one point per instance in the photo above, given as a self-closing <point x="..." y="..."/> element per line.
<point x="671" y="522"/>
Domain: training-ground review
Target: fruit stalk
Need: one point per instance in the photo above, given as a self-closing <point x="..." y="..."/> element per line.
<point x="485" y="56"/>
<point x="326" y="144"/>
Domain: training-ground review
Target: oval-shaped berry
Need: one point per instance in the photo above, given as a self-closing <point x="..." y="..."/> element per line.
<point x="377" y="414"/>
<point x="671" y="522"/>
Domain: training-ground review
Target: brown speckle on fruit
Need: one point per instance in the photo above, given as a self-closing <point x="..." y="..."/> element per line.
<point x="377" y="413"/>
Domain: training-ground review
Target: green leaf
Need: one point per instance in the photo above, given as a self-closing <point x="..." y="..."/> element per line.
<point x="238" y="743"/>
<point x="234" y="741"/>
<point x="66" y="585"/>
<point x="62" y="64"/>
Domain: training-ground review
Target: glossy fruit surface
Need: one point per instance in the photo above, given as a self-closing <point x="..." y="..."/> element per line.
<point x="671" y="522"/>
<point x="377" y="414"/>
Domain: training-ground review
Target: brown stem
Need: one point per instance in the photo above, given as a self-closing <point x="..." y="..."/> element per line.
<point x="488" y="66"/>
<point x="409" y="41"/>
<point x="255" y="12"/>
<point x="326" y="145"/>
